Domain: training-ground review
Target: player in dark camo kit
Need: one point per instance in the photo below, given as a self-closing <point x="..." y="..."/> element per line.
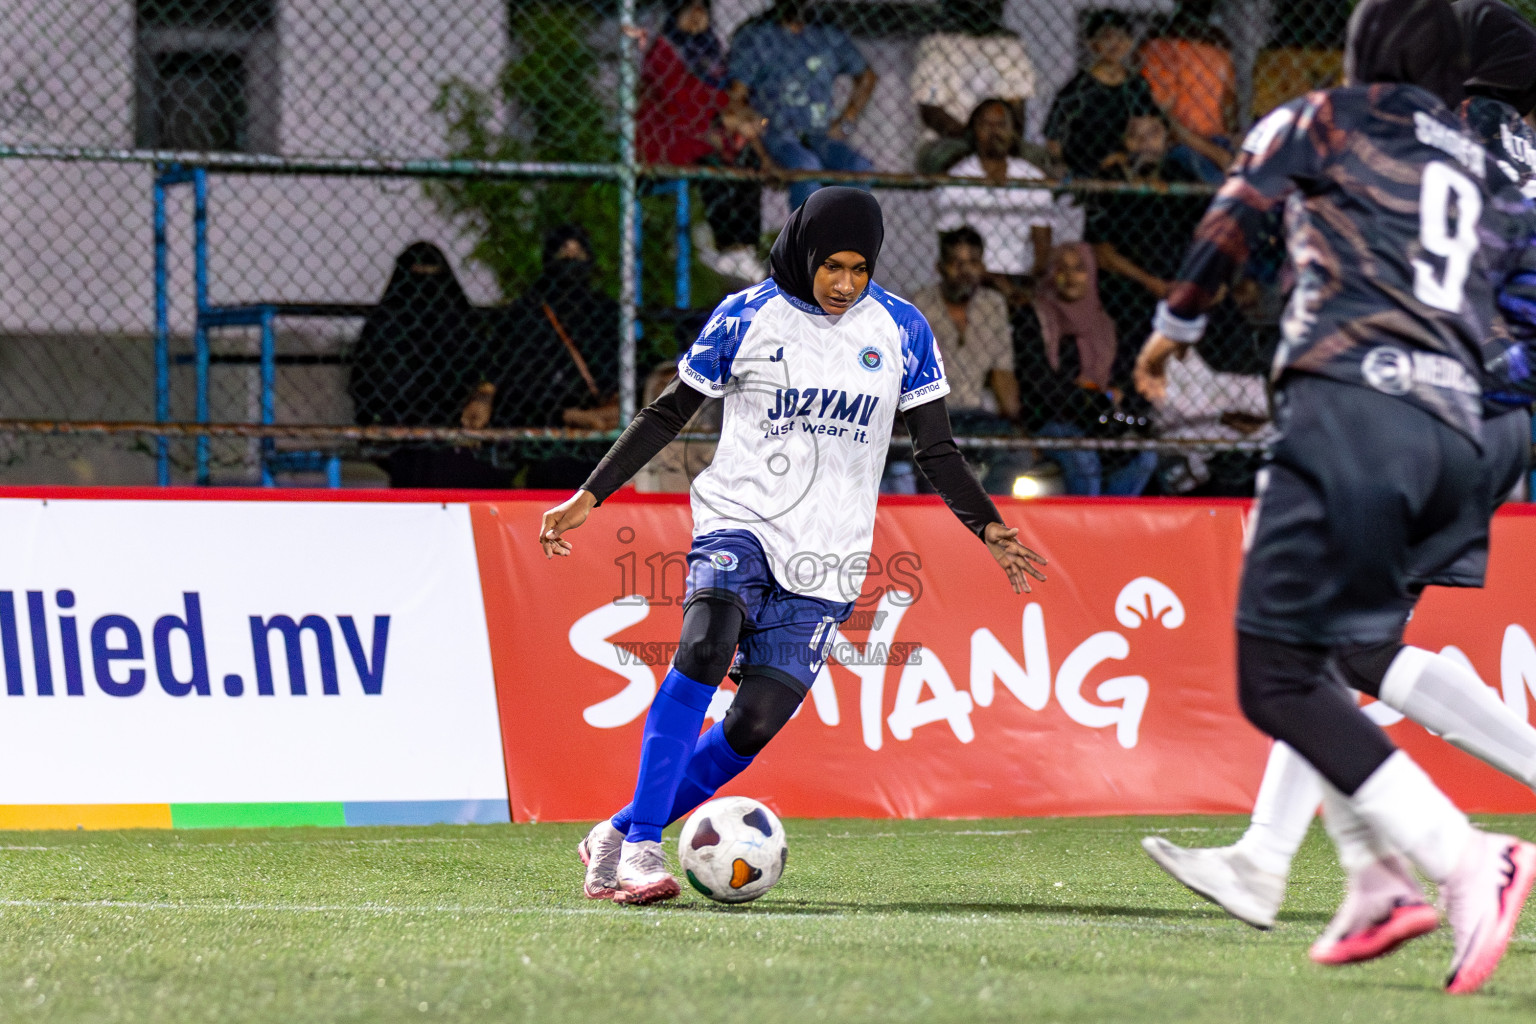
<point x="1247" y="878"/>
<point x="1401" y="241"/>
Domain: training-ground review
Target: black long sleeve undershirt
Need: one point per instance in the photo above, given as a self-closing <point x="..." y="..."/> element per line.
<point x="933" y="444"/>
<point x="652" y="429"/>
<point x="934" y="451"/>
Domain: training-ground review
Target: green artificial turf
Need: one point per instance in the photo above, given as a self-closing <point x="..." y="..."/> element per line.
<point x="1038" y="920"/>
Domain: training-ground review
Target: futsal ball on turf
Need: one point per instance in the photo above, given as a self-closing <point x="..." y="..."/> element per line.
<point x="732" y="849"/>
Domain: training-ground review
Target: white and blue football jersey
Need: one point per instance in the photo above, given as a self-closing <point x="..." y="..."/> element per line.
<point x="809" y="404"/>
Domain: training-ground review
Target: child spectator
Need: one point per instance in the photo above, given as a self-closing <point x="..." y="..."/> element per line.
<point x="1088" y="118"/>
<point x="686" y="117"/>
<point x="1070" y="369"/>
<point x="786" y="68"/>
<point x="1188" y="65"/>
<point x="1019" y="224"/>
<point x="956" y="71"/>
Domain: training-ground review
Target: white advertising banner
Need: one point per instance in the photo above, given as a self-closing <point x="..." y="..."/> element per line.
<point x="164" y="652"/>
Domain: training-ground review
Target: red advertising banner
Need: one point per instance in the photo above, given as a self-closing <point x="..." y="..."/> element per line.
<point x="1491" y="630"/>
<point x="1110" y="690"/>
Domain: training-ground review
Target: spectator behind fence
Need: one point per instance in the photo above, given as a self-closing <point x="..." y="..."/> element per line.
<point x="1188" y="65"/>
<point x="786" y="68"/>
<point x="1088" y="118"/>
<point x="553" y="360"/>
<point x="687" y="117"/>
<point x="674" y="468"/>
<point x="1203" y="403"/>
<point x="1071" y="372"/>
<point x="414" y="366"/>
<point x="956" y="71"/>
<point x="1140" y="238"/>
<point x="1019" y="225"/>
<point x="970" y="325"/>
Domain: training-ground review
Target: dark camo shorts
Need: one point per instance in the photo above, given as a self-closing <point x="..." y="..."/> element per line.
<point x="1365" y="498"/>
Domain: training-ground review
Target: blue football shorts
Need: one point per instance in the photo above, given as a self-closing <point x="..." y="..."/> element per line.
<point x="786" y="636"/>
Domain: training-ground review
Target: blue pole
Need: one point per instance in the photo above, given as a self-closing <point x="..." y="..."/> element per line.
<point x="200" y="335"/>
<point x="268" y="392"/>
<point x="633" y="261"/>
<point x="162" y="337"/>
<point x="684" y="248"/>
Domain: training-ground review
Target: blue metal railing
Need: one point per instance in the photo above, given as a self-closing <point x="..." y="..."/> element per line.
<point x="209" y="317"/>
<point x="263" y="315"/>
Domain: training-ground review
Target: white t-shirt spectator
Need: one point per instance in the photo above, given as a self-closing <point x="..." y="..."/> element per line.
<point x="1003" y="216"/>
<point x="1193" y="406"/>
<point x="956" y="72"/>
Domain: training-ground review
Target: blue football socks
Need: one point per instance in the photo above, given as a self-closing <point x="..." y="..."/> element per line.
<point x="712" y="765"/>
<point x="671" y="732"/>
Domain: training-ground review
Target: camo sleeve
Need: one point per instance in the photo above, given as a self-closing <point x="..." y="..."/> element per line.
<point x="1284" y="151"/>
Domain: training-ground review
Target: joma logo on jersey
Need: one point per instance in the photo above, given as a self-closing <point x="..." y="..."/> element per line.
<point x="827" y="403"/>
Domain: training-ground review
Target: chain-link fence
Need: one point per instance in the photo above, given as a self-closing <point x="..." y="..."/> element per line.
<point x="455" y="242"/>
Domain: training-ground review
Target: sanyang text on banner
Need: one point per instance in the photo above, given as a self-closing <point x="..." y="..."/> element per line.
<point x="1109" y="690"/>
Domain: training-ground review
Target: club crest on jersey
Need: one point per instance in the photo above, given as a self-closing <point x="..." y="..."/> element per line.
<point x="1388" y="370"/>
<point x="724" y="561"/>
<point x="870" y="359"/>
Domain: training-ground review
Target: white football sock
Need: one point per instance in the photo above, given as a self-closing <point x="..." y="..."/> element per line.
<point x="1351" y="834"/>
<point x="1407" y="812"/>
<point x="1447" y="698"/>
<point x="1287" y="801"/>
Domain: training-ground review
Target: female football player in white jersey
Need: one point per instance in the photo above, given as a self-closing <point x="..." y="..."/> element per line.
<point x="812" y="366"/>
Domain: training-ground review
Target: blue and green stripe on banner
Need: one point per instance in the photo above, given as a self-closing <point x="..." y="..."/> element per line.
<point x="254" y="815"/>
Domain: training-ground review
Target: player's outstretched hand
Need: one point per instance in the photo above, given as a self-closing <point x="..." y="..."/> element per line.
<point x="565" y="516"/>
<point x="1018" y="561"/>
<point x="1151" y="373"/>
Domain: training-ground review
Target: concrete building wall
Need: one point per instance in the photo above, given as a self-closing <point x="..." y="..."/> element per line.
<point x="356" y="79"/>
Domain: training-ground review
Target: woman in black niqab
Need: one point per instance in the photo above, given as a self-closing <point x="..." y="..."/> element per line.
<point x="1415" y="42"/>
<point x="834" y="219"/>
<point x="532" y="358"/>
<point x="414" y="365"/>
<point x="410" y="361"/>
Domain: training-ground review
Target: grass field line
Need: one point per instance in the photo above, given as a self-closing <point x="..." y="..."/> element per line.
<point x="179" y="842"/>
<point x="1004" y="914"/>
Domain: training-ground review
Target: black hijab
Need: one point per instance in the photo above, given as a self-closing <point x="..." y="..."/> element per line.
<point x="1415" y="42"/>
<point x="1501" y="49"/>
<point x="702" y="53"/>
<point x="414" y="352"/>
<point x="422" y="281"/>
<point x="527" y="346"/>
<point x="834" y="219"/>
<point x="565" y="285"/>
